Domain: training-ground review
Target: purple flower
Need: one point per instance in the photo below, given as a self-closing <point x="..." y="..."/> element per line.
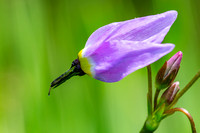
<point x="118" y="49"/>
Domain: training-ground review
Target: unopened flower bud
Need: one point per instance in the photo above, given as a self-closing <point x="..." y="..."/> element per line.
<point x="168" y="72"/>
<point x="169" y="94"/>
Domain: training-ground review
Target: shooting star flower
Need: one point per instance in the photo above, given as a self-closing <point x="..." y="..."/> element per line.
<point x="118" y="49"/>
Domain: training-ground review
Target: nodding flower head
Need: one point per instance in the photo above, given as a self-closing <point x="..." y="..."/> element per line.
<point x="118" y="49"/>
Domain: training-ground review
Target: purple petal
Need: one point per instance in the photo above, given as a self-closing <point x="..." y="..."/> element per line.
<point x="114" y="60"/>
<point x="118" y="49"/>
<point x="149" y="29"/>
<point x="101" y="34"/>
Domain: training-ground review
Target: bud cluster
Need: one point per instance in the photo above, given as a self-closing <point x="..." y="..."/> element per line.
<point x="165" y="79"/>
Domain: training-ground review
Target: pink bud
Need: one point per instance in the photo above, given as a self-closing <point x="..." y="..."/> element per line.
<point x="169" y="94"/>
<point x="168" y="72"/>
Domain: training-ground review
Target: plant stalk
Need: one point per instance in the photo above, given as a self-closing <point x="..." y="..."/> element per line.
<point x="149" y="94"/>
<point x="145" y="130"/>
<point x="156" y="98"/>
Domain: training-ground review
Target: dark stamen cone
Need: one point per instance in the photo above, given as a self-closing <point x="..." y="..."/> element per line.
<point x="73" y="71"/>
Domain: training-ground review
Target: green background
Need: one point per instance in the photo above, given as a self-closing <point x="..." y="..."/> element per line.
<point x="40" y="38"/>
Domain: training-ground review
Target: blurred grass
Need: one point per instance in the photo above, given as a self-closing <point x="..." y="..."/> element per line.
<point x="40" y="38"/>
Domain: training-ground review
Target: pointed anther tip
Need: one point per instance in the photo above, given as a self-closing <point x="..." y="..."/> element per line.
<point x="49" y="91"/>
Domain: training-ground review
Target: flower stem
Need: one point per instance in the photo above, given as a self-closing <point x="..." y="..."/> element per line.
<point x="145" y="130"/>
<point x="155" y="98"/>
<point x="171" y="111"/>
<point x="149" y="94"/>
<point x="186" y="88"/>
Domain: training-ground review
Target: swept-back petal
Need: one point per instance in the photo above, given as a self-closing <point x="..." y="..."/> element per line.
<point x="149" y="29"/>
<point x="111" y="62"/>
<point x="101" y="34"/>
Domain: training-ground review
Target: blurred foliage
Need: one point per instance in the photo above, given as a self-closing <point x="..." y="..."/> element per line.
<point x="40" y="38"/>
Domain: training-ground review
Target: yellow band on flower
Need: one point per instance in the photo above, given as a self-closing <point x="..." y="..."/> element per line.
<point x="85" y="65"/>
